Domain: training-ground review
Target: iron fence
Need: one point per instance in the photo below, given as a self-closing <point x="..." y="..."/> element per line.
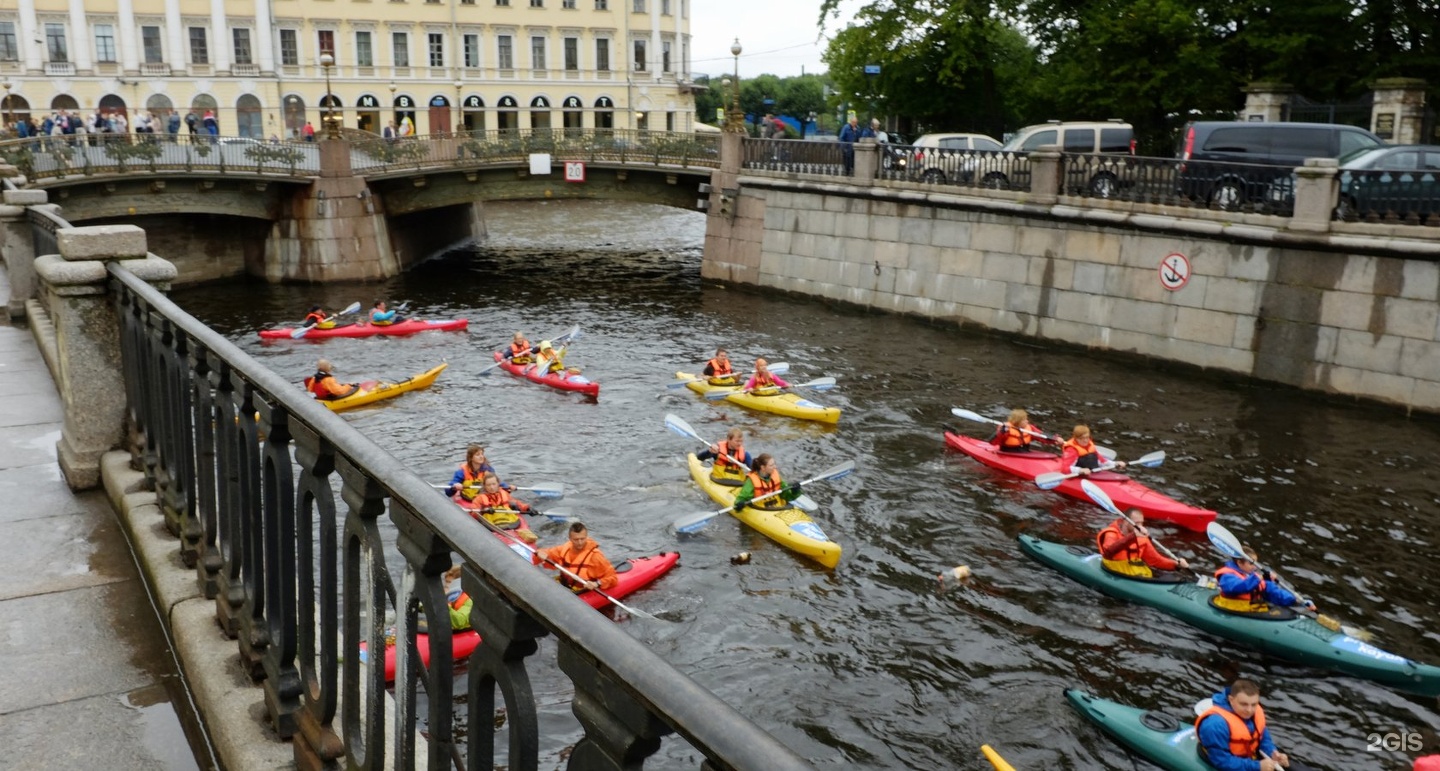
<point x="827" y="159"/>
<point x="624" y="146"/>
<point x="1391" y="197"/>
<point x="989" y="169"/>
<point x="92" y="154"/>
<point x="1246" y="187"/>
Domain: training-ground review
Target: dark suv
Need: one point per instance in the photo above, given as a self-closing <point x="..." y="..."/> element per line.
<point x="1228" y="164"/>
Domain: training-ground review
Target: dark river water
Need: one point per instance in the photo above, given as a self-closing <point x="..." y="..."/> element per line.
<point x="870" y="665"/>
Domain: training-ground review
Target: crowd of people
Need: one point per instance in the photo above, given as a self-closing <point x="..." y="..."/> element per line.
<point x="106" y="124"/>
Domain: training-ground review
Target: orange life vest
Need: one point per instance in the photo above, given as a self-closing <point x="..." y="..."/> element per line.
<point x="1243" y="742"/>
<point x="1133" y="553"/>
<point x="500" y="499"/>
<point x="723" y="452"/>
<point x="473" y="476"/>
<point x="1013" y="438"/>
<point x="765" y="380"/>
<point x="319" y="384"/>
<point x="460" y="601"/>
<point x="1080" y="450"/>
<point x="312" y="319"/>
<point x="764" y="488"/>
<point x="1256" y="597"/>
<point x="719" y="368"/>
<point x="565" y="557"/>
<point x="520" y="354"/>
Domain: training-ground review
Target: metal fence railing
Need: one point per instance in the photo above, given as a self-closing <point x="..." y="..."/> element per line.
<point x="993" y="170"/>
<point x="90" y="154"/>
<point x="1244" y="187"/>
<point x="827" y="158"/>
<point x="622" y="146"/>
<point x="1391" y="197"/>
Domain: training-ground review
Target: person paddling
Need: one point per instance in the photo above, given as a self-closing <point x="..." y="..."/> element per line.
<point x="472" y="472"/>
<point x="580" y="556"/>
<point x="764" y="479"/>
<point x="492" y="502"/>
<point x="520" y="351"/>
<point x="1125" y="548"/>
<point x="318" y="318"/>
<point x="1017" y="433"/>
<point x="1232" y="732"/>
<point x="1244" y="588"/>
<point x="380" y="316"/>
<point x="726" y="454"/>
<point x="763" y="379"/>
<point x="324" y="385"/>
<point x="718" y="369"/>
<point x="1081" y="455"/>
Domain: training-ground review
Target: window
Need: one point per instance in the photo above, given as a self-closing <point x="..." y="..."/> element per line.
<point x="537" y="3"/>
<point x="639" y="6"/>
<point x="199" y="49"/>
<point x="602" y="5"/>
<point x="537" y="53"/>
<point x="9" y="51"/>
<point x="437" y="49"/>
<point x="572" y="53"/>
<point x="507" y="53"/>
<point x="502" y="2"/>
<point x="325" y="39"/>
<point x="639" y="56"/>
<point x="400" y="43"/>
<point x="665" y="56"/>
<point x="1079" y="140"/>
<point x="602" y="55"/>
<point x="104" y="42"/>
<point x="364" y="49"/>
<point x="471" y="44"/>
<point x="664" y="7"/>
<point x="1351" y="141"/>
<point x="55" y="43"/>
<point x="289" y="47"/>
<point x="1046" y="137"/>
<point x="568" y="4"/>
<point x="241" y="40"/>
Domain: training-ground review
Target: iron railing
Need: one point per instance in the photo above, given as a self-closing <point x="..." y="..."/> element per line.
<point x="475" y="148"/>
<point x="247" y="467"/>
<point x="989" y="169"/>
<point x="1244" y="187"/>
<point x="91" y="154"/>
<point x="828" y="159"/>
<point x="1390" y="197"/>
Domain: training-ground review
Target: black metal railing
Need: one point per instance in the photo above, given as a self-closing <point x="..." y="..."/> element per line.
<point x="86" y="155"/>
<point x="1246" y="187"/>
<point x="988" y="169"/>
<point x="624" y="146"/>
<point x="1390" y="197"/>
<point x="827" y="159"/>
<point x="301" y="584"/>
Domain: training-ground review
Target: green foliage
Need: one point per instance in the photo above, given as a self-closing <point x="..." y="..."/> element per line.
<point x="125" y="152"/>
<point x="273" y="153"/>
<point x="397" y="150"/>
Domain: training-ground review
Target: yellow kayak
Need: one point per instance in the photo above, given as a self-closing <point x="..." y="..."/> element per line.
<point x="381" y="391"/>
<point x="995" y="759"/>
<point x="778" y="402"/>
<point x="789" y="527"/>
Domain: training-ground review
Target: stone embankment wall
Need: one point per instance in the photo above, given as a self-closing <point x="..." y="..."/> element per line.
<point x="1352" y="313"/>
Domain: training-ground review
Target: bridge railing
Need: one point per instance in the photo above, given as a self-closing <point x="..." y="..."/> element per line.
<point x="1248" y="187"/>
<point x="624" y="146"/>
<point x="93" y="154"/>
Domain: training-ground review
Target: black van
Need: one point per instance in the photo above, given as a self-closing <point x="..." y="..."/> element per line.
<point x="1228" y="164"/>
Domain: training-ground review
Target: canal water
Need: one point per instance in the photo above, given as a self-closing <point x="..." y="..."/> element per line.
<point x="871" y="665"/>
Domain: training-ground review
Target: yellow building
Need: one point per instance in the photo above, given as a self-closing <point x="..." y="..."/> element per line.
<point x="440" y="64"/>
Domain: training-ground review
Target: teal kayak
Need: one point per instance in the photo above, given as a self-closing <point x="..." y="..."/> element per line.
<point x="1282" y="633"/>
<point x="1159" y="738"/>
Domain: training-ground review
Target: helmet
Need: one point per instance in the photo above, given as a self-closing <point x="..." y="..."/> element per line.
<point x="545" y="345"/>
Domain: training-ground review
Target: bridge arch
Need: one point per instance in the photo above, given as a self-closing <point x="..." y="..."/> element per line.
<point x="111" y="104"/>
<point x="64" y="102"/>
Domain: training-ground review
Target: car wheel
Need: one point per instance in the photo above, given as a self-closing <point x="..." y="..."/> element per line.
<point x="995" y="181"/>
<point x="1104" y="185"/>
<point x="1346" y="209"/>
<point x="933" y="177"/>
<point x="1229" y="195"/>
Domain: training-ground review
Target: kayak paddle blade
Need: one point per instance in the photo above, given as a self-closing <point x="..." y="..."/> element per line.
<point x="1050" y="480"/>
<point x="546" y="490"/>
<point x="1099" y="497"/>
<point x="299" y="333"/>
<point x="715" y="396"/>
<point x="806" y="504"/>
<point x="969" y="415"/>
<point x="696" y="522"/>
<point x="779" y="367"/>
<point x="1203" y="706"/>
<point x="674" y="423"/>
<point x="349" y="309"/>
<point x="556" y="515"/>
<point x="1106" y="453"/>
<point x="1151" y="460"/>
<point x="1224" y="541"/>
<point x="819" y="384"/>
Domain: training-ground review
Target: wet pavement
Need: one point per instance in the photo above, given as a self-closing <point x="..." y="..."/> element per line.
<point x="86" y="674"/>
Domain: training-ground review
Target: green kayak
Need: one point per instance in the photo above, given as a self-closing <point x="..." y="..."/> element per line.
<point x="1159" y="738"/>
<point x="1281" y="633"/>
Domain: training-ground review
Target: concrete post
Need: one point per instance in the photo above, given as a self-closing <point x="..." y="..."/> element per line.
<point x="1317" y="189"/>
<point x="1267" y="102"/>
<point x="75" y="291"/>
<point x="18" y="247"/>
<point x="1045" y="175"/>
<point x="867" y="161"/>
<point x="1398" y="113"/>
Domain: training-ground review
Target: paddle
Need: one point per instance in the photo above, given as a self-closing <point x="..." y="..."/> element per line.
<point x="1102" y="500"/>
<point x="674" y="423"/>
<point x="1108" y="453"/>
<point x="542" y="489"/>
<point x="349" y="309"/>
<point x="697" y="521"/>
<point x="517" y="542"/>
<point x="1052" y="479"/>
<point x="818" y="384"/>
<point x="778" y="368"/>
<point x="570" y="335"/>
<point x="1228" y="545"/>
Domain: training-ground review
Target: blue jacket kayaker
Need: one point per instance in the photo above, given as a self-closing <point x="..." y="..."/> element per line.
<point x="382" y="317"/>
<point x="1247" y="589"/>
<point x="472" y="472"/>
<point x="1232" y="732"/>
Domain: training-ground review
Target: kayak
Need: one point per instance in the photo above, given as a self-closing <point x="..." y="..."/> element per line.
<point x="363" y="329"/>
<point x="789" y="527"/>
<point x="1281" y="632"/>
<point x="1124" y="491"/>
<point x="1159" y="738"/>
<point x="372" y="391"/>
<point x="995" y="759"/>
<point x="559" y="380"/>
<point x="777" y="402"/>
<point x="634" y="575"/>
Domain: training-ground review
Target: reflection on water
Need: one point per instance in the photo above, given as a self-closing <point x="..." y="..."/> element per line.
<point x="867" y="665"/>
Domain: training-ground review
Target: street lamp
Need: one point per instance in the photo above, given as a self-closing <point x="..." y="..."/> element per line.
<point x="7" y="85"/>
<point x="332" y="128"/>
<point x="459" y="107"/>
<point x="736" y="122"/>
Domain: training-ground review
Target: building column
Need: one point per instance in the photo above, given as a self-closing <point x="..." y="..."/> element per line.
<point x="219" y="31"/>
<point x="80" y="37"/>
<point x="1398" y="113"/>
<point x="129" y="51"/>
<point x="175" y="31"/>
<point x="1267" y="102"/>
<point x="31" y="52"/>
<point x="265" y="40"/>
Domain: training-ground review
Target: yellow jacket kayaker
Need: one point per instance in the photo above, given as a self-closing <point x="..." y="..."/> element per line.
<point x="764" y="479"/>
<point x="324" y="385"/>
<point x="460" y="602"/>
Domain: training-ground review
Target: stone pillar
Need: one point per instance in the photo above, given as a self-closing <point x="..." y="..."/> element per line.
<point x="1317" y="189"/>
<point x="1045" y="175"/>
<point x="867" y="161"/>
<point x="18" y="247"/>
<point x="1398" y="113"/>
<point x="1267" y="102"/>
<point x="74" y="288"/>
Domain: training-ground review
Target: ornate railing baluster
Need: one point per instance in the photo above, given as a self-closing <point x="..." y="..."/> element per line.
<point x="252" y="632"/>
<point x="427" y="558"/>
<point x="363" y="723"/>
<point x="318" y="627"/>
<point x="619" y="731"/>
<point x="230" y="594"/>
<point x="277" y="484"/>
<point x="508" y="637"/>
<point x="205" y="514"/>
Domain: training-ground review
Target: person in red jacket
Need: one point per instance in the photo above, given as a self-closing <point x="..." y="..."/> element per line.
<point x="1125" y="548"/>
<point x="324" y="385"/>
<point x="583" y="557"/>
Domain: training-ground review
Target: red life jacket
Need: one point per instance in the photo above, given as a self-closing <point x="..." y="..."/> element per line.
<point x="1132" y="553"/>
<point x="723" y="450"/>
<point x="718" y="368"/>
<point x="765" y="380"/>
<point x="565" y="557"/>
<point x="460" y="601"/>
<point x="1243" y="742"/>
<point x="1013" y="438"/>
<point x="315" y="384"/>
<point x="520" y="352"/>
<point x="1254" y="598"/>
<point x="312" y="319"/>
<point x="764" y="488"/>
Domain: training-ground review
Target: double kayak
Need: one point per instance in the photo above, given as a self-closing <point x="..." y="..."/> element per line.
<point x="1281" y="632"/>
<point x="1159" y="738"/>
<point x="1124" y="491"/>
<point x="770" y="400"/>
<point x="362" y="329"/>
<point x="634" y="575"/>
<point x="560" y="380"/>
<point x="788" y="526"/>
<point x="372" y="391"/>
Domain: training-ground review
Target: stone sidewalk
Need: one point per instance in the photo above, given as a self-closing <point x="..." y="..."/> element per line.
<point x="86" y="674"/>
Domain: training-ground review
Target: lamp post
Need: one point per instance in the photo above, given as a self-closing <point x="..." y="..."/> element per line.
<point x="292" y="124"/>
<point x="7" y="85"/>
<point x="736" y="122"/>
<point x="332" y="129"/>
<point x="392" y="109"/>
<point x="459" y="108"/>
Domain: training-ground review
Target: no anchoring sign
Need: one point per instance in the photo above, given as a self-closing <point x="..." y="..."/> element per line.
<point x="1174" y="271"/>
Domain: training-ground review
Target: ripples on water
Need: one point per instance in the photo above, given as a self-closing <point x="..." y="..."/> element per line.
<point x="868" y="665"/>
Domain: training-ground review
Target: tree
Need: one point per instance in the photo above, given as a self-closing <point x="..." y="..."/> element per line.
<point x="709" y="99"/>
<point x="801" y="96"/>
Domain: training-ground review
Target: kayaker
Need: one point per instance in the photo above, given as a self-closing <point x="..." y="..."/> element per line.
<point x="763" y="479"/>
<point x="1125" y="548"/>
<point x="318" y="318"/>
<point x="763" y="378"/>
<point x="472" y="472"/>
<point x="1081" y="456"/>
<point x="520" y="351"/>
<point x="1016" y="433"/>
<point x="724" y="470"/>
<point x="1244" y="588"/>
<point x="1232" y="732"/>
<point x="324" y="386"/>
<point x="492" y="502"/>
<point x="381" y="317"/>
<point x="580" y="556"/>
<point x="548" y="359"/>
<point x="460" y="602"/>
<point x="718" y="369"/>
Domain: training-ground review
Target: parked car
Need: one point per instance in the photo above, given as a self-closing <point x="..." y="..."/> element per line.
<point x="1395" y="180"/>
<point x="894" y="153"/>
<point x="1008" y="168"/>
<point x="1228" y="164"/>
<point x="937" y="158"/>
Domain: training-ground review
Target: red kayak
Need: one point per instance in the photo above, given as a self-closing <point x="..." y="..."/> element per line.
<point x="1126" y="492"/>
<point x="361" y="329"/>
<point x="559" y="380"/>
<point x="634" y="575"/>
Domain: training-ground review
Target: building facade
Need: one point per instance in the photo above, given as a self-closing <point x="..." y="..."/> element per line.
<point x="440" y="65"/>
